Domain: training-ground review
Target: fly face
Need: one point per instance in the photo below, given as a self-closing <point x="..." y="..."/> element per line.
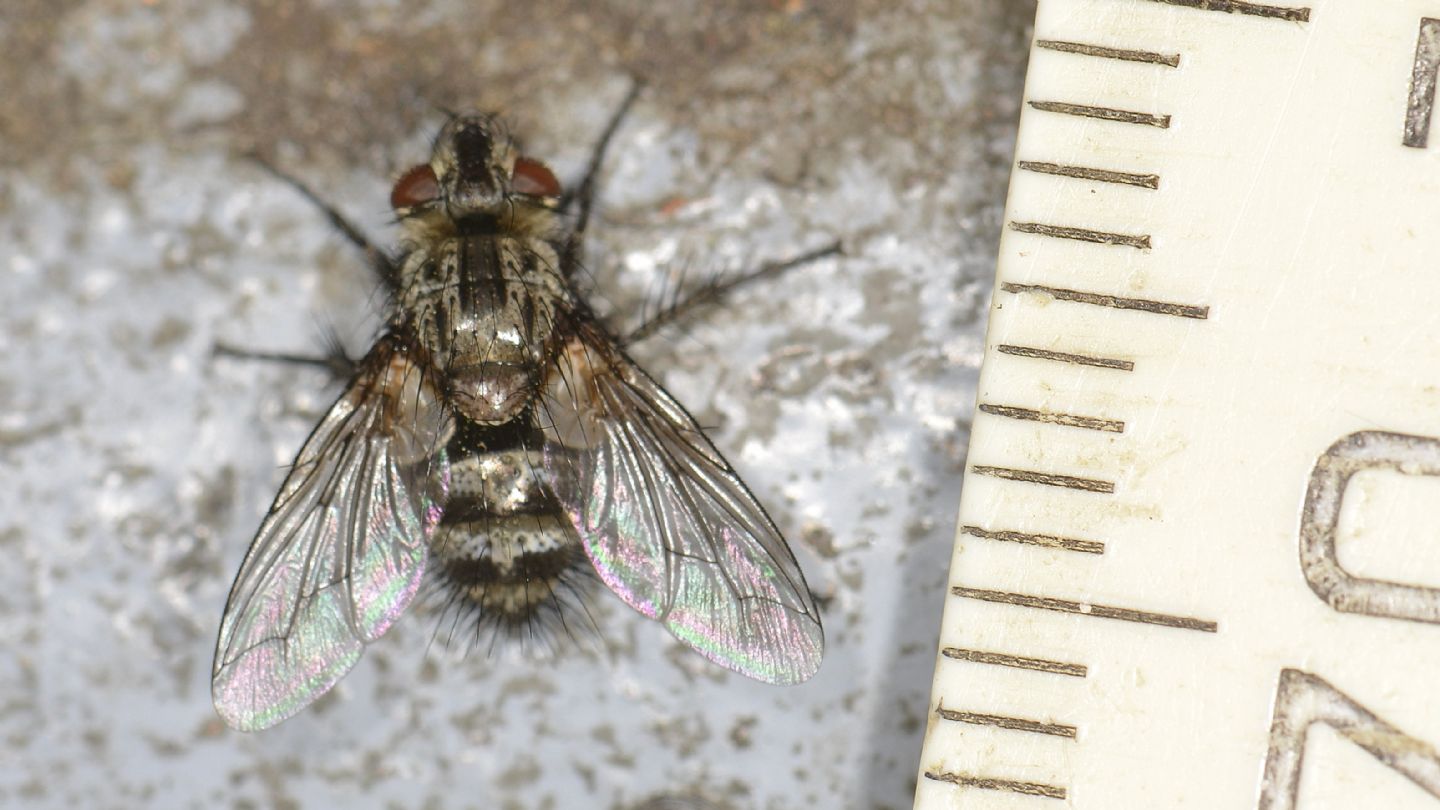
<point x="478" y="182"/>
<point x="474" y="161"/>
<point x="498" y="441"/>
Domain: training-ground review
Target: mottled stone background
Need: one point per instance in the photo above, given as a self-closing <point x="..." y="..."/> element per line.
<point x="135" y="466"/>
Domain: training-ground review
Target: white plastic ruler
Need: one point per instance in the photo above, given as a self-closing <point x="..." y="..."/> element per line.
<point x="1198" y="563"/>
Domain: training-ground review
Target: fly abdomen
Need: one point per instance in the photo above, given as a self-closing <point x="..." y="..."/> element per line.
<point x="509" y="567"/>
<point x="504" y="549"/>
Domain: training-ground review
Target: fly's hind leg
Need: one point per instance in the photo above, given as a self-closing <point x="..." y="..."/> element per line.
<point x="381" y="261"/>
<point x="672" y="308"/>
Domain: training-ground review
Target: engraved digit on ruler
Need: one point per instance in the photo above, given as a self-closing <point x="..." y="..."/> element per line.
<point x="1302" y="700"/>
<point x="1343" y="591"/>
<point x="1422" y="84"/>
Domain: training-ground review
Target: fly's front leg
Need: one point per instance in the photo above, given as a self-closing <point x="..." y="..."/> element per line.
<point x="381" y="261"/>
<point x="582" y="196"/>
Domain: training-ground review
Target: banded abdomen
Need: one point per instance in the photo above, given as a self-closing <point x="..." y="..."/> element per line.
<point x="504" y="550"/>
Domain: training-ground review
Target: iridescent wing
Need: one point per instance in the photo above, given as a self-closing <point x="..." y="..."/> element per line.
<point x="342" y="551"/>
<point x="667" y="523"/>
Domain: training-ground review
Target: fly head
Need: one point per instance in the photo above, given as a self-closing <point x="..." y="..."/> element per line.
<point x="475" y="180"/>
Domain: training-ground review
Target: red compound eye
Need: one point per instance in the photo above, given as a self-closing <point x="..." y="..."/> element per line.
<point x="532" y="177"/>
<point x="416" y="187"/>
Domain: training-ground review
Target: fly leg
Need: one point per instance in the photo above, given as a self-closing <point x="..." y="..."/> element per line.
<point x="713" y="292"/>
<point x="340" y="365"/>
<point x="583" y="196"/>
<point x="335" y="360"/>
<point x="382" y="262"/>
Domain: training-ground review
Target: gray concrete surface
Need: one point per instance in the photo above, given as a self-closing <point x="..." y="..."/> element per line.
<point x="134" y="467"/>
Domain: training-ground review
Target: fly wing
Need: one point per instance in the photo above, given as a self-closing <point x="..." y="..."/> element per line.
<point x="667" y="523"/>
<point x="342" y="551"/>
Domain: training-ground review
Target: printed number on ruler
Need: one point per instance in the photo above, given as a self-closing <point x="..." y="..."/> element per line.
<point x="1211" y="395"/>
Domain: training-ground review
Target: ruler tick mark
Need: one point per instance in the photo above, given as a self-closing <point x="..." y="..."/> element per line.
<point x="1065" y="357"/>
<point x="1087" y="609"/>
<point x="1050" y="417"/>
<point x="1112" y="301"/>
<point x="1137" y="241"/>
<point x="1011" y="723"/>
<point x="1422" y="85"/>
<point x="1044" y="540"/>
<point x="1046" y="479"/>
<point x="1103" y="113"/>
<point x="1151" y="181"/>
<point x="990" y="783"/>
<point x="1015" y="661"/>
<point x="1124" y="54"/>
<point x="1247" y="9"/>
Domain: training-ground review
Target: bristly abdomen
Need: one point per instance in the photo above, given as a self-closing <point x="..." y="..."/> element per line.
<point x="504" y="555"/>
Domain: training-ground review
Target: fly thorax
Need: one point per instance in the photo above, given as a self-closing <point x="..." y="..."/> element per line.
<point x="494" y="362"/>
<point x="490" y="316"/>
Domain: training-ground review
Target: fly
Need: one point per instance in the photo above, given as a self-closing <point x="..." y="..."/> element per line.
<point x="498" y="441"/>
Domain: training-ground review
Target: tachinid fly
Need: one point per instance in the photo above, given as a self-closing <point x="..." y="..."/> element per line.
<point x="498" y="439"/>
